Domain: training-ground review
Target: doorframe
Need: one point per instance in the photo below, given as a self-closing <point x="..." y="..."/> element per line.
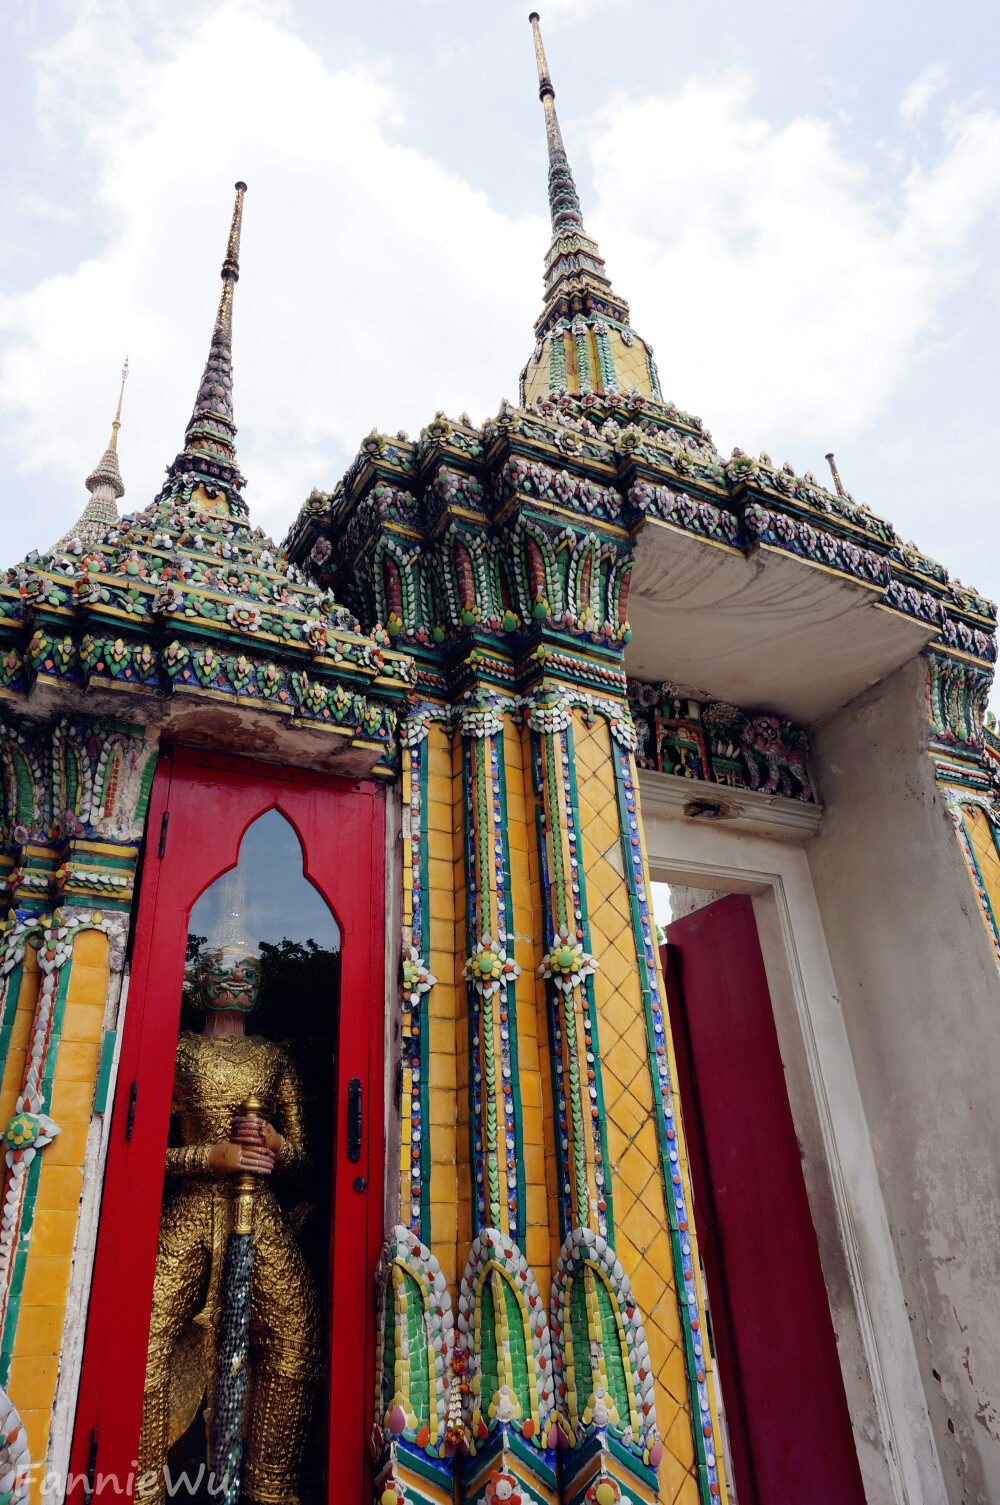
<point x="762" y="851"/>
<point x="368" y="1059"/>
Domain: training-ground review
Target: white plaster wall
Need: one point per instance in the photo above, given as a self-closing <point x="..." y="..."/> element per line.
<point x="881" y="1375"/>
<point x="920" y="994"/>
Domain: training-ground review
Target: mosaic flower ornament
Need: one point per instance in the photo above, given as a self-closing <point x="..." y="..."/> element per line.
<point x="566" y="963"/>
<point x="417" y="977"/>
<point x="502" y="1489"/>
<point x="489" y="968"/>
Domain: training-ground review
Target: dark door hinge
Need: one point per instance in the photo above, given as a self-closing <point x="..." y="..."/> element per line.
<point x="91" y="1464"/>
<point x="355" y="1120"/>
<point x="164" y="820"/>
<point x="130" y="1122"/>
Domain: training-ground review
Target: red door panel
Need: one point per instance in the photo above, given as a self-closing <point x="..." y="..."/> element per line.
<point x="790" y="1428"/>
<point x="200" y="807"/>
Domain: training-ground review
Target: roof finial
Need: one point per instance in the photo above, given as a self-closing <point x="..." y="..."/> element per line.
<point x="836" y="474"/>
<point x="584" y="343"/>
<point x="564" y="204"/>
<point x="209" y="441"/>
<point x="105" y="473"/>
<point x="105" y="486"/>
<point x="118" y="415"/>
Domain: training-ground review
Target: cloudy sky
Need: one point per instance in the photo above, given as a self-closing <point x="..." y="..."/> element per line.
<point x="801" y="203"/>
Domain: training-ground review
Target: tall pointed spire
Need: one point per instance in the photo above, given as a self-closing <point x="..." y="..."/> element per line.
<point x="104" y="484"/>
<point x="585" y="344"/>
<point x="564" y="203"/>
<point x="207" y="464"/>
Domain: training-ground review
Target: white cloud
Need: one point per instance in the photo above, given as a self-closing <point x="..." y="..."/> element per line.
<point x="375" y="286"/>
<point x="781" y="292"/>
<point x="918" y="95"/>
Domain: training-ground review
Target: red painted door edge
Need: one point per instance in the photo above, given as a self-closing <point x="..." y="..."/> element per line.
<point x="706" y="1227"/>
<point x="773" y="1294"/>
<point x="330" y="817"/>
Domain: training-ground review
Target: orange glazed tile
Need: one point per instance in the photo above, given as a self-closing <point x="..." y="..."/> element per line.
<point x="439" y="844"/>
<point x="626" y="1251"/>
<point x="33" y="1382"/>
<point x="660" y="1351"/>
<point x="443" y="1224"/>
<point x="442" y="1106"/>
<point x="441" y="871"/>
<point x="53" y="1232"/>
<point x="441" y="1001"/>
<point x="680" y="1440"/>
<point x="8" y="1099"/>
<point x="443" y="1143"/>
<point x="21" y="1028"/>
<point x="645" y="1141"/>
<point x="442" y="935"/>
<point x="449" y="1264"/>
<point x="441" y="904"/>
<point x="90" y="949"/>
<point x="617" y="1012"/>
<point x="46" y="1280"/>
<point x="534" y="1163"/>
<point x="68" y="1147"/>
<point x="439" y="815"/>
<point x="85" y="1021"/>
<point x="648" y="1289"/>
<point x="444" y="1185"/>
<point x="441" y="1036"/>
<point x="87" y="985"/>
<point x="641" y="1225"/>
<point x="438" y="760"/>
<point x="39" y="1331"/>
<point x="441" y="1071"/>
<point x="59" y="1186"/>
<point x="535" y="1204"/>
<point x="622" y="1060"/>
<point x="72" y="1102"/>
<point x="658" y="1253"/>
<point x="626" y="1113"/>
<point x="670" y="1372"/>
<point x="536" y="1249"/>
<point x="673" y="1476"/>
<point x="36" y="1425"/>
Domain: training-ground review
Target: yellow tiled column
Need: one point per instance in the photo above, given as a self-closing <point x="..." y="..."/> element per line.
<point x="532" y="1043"/>
<point x="443" y="1063"/>
<point x="13" y="1066"/>
<point x="42" y="1314"/>
<point x="641" y="1215"/>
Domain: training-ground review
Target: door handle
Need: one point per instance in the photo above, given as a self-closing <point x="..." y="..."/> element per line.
<point x="355" y="1119"/>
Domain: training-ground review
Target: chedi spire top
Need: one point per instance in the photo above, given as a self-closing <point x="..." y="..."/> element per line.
<point x="206" y="470"/>
<point x="564" y="203"/>
<point x="584" y="343"/>
<point x="104" y="484"/>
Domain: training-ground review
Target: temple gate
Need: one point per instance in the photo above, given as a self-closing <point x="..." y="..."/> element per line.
<point x="494" y="685"/>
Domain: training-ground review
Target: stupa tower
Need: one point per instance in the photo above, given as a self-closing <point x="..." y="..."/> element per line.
<point x="105" y="486"/>
<point x="206" y="470"/>
<point x="584" y="342"/>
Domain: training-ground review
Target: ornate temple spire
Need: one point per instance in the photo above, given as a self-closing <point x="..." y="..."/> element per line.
<point x="585" y="345"/>
<point x="564" y="203"/>
<point x="209" y="454"/>
<point x="105" y="486"/>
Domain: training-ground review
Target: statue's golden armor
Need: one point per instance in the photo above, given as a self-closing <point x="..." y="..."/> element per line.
<point x="214" y="1075"/>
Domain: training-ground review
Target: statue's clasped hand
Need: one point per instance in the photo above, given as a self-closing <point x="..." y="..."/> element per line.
<point x="254" y="1146"/>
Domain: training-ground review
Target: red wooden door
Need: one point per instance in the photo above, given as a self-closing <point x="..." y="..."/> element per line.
<point x="200" y="808"/>
<point x="790" y="1429"/>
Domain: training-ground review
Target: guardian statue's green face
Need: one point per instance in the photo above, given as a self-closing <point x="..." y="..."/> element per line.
<point x="228" y="981"/>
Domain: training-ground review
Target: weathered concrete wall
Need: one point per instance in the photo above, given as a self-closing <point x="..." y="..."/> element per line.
<point x="766" y="857"/>
<point x="920" y="994"/>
